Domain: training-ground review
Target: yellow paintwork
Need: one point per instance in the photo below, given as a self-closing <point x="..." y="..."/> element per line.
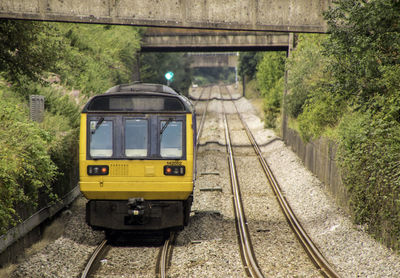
<point x="136" y="178"/>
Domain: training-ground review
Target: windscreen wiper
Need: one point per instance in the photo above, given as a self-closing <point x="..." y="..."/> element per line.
<point x="98" y="124"/>
<point x="165" y="126"/>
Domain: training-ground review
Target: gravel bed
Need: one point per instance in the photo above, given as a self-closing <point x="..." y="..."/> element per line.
<point x="129" y="262"/>
<point x="65" y="255"/>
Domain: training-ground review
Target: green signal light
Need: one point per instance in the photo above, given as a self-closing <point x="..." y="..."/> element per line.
<point x="169" y="75"/>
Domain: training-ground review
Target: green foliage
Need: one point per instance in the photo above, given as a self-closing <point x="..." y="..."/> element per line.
<point x="248" y="62"/>
<point x="364" y="47"/>
<point x="25" y="165"/>
<point x="28" y="48"/>
<point x="270" y="82"/>
<point x="370" y="161"/>
<point x="96" y="57"/>
<point x="208" y="76"/>
<point x="320" y="111"/>
<point x="270" y="69"/>
<point x="155" y="65"/>
<point x="57" y="103"/>
<point x="87" y="57"/>
<point x="306" y="71"/>
<point x="272" y="104"/>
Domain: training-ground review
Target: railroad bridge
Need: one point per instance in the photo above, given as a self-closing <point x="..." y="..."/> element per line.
<point x="250" y="15"/>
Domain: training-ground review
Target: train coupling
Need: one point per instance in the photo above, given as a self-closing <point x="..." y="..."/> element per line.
<point x="136" y="207"/>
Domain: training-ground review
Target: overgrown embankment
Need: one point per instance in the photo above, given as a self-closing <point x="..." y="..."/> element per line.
<point x="66" y="63"/>
<point x="346" y="86"/>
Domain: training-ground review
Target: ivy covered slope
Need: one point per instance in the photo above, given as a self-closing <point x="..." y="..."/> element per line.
<point x="346" y="85"/>
<point x="66" y="63"/>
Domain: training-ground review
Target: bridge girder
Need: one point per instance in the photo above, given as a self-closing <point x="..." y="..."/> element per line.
<point x="214" y="61"/>
<point x="255" y="15"/>
<point x="196" y="40"/>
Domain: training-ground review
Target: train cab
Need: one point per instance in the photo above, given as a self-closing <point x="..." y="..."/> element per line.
<point x="137" y="158"/>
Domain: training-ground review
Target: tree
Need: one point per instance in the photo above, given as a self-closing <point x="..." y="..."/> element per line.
<point x="364" y="50"/>
<point x="25" y="48"/>
<point x="155" y="65"/>
<point x="248" y="62"/>
<point x="270" y="72"/>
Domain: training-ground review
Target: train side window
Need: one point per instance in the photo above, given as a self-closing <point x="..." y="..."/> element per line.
<point x="101" y="138"/>
<point x="171" y="139"/>
<point x="136" y="138"/>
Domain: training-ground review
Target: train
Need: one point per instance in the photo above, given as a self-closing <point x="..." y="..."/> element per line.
<point x="137" y="158"/>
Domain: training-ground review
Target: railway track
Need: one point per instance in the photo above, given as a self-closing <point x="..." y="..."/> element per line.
<point x="161" y="266"/>
<point x="309" y="247"/>
<point x="248" y="258"/>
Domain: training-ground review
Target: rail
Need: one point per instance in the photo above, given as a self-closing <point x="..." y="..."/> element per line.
<point x="94" y="259"/>
<point x="203" y="117"/>
<point x="165" y="254"/>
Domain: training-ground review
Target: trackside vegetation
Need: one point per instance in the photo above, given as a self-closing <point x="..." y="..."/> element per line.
<point x="268" y="70"/>
<point x="67" y="63"/>
<point x="345" y="86"/>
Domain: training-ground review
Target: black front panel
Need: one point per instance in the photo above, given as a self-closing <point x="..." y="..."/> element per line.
<point x="114" y="215"/>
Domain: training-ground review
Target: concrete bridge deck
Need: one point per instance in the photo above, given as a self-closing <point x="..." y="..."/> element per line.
<point x="254" y="15"/>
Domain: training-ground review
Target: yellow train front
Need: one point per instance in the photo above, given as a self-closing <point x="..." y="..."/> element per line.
<point x="137" y="158"/>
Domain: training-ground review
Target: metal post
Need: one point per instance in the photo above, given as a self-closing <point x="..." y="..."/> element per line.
<point x="136" y="68"/>
<point x="284" y="114"/>
<point x="244" y="84"/>
<point x="36" y="104"/>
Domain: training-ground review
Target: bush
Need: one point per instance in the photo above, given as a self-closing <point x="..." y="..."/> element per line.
<point x="320" y="111"/>
<point x="272" y="104"/>
<point x="305" y="71"/>
<point x="25" y="165"/>
<point x="270" y="82"/>
<point x="369" y="156"/>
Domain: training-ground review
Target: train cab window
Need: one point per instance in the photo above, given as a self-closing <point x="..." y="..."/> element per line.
<point x="136" y="138"/>
<point x="101" y="138"/>
<point x="171" y="139"/>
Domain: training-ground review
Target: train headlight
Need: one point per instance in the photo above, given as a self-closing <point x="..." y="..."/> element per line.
<point x="174" y="170"/>
<point x="94" y="170"/>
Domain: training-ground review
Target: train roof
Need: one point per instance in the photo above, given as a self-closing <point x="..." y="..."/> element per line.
<point x="139" y="97"/>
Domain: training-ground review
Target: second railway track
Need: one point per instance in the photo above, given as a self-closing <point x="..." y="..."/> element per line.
<point x="309" y="247"/>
